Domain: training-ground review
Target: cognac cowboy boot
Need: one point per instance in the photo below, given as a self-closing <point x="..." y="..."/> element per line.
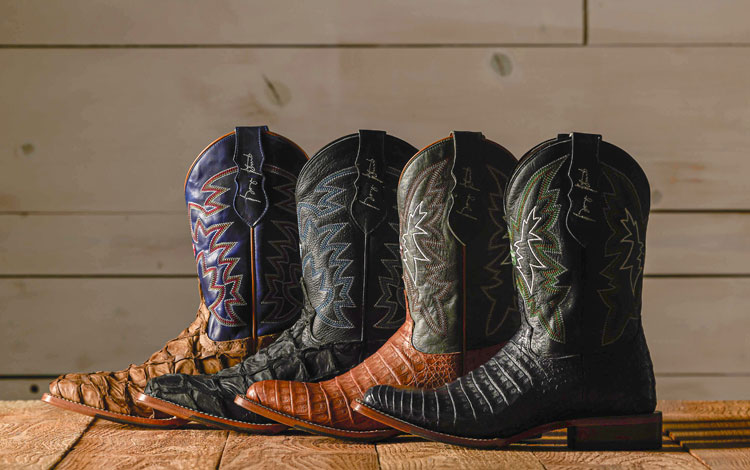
<point x="458" y="276"/>
<point x="240" y="198"/>
<point x="577" y="208"/>
<point x="348" y="221"/>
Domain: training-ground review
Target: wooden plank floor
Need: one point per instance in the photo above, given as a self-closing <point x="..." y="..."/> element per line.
<point x="697" y="435"/>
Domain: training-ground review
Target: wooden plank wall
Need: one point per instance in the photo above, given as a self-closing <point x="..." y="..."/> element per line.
<point x="103" y="106"/>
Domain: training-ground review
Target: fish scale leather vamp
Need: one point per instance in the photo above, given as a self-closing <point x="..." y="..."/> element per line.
<point x="230" y="252"/>
<point x="191" y="352"/>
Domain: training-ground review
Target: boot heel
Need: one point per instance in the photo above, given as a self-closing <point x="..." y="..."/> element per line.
<point x="640" y="432"/>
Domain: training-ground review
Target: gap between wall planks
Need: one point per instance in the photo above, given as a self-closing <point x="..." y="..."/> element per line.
<point x="685" y="123"/>
<point x="697" y="435"/>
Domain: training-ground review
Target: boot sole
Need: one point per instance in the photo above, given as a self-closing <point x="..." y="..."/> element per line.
<point x="313" y="428"/>
<point x="636" y="432"/>
<point x="208" y="419"/>
<point x="156" y="423"/>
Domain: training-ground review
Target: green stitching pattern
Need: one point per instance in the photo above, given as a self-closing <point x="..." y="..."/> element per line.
<point x="625" y="249"/>
<point x="540" y="244"/>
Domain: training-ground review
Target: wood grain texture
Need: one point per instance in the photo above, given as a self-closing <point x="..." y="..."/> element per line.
<point x="697" y="325"/>
<point x="131" y="318"/>
<point x="35" y="435"/>
<point x="668" y="21"/>
<point x="23" y="389"/>
<point x="80" y="325"/>
<point x="704" y="410"/>
<point x="296" y="451"/>
<point x="111" y="244"/>
<point x="699" y="435"/>
<point x="702" y="386"/>
<point x="414" y="453"/>
<point x="553" y="453"/>
<point x="96" y="244"/>
<point x="122" y="125"/>
<point x="115" y="446"/>
<point x="717" y="433"/>
<point x="698" y="243"/>
<point x="291" y="22"/>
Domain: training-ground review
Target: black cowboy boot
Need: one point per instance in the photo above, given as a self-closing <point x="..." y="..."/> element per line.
<point x="458" y="277"/>
<point x="240" y="198"/>
<point x="577" y="210"/>
<point x="348" y="227"/>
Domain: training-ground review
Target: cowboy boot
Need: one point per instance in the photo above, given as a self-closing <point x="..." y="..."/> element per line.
<point x="457" y="272"/>
<point x="577" y="209"/>
<point x="240" y="198"/>
<point x="346" y="206"/>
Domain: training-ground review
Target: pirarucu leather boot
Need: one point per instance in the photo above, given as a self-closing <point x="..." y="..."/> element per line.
<point x="348" y="225"/>
<point x="577" y="209"/>
<point x="240" y="198"/>
<point x="458" y="277"/>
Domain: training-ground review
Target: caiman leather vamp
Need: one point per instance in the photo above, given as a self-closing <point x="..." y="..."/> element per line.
<point x="577" y="209"/>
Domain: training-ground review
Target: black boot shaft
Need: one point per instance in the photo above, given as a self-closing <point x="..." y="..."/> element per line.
<point x="455" y="256"/>
<point x="577" y="209"/>
<point x="348" y="237"/>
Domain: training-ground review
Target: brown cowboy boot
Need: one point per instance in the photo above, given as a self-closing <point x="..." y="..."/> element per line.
<point x="240" y="198"/>
<point x="457" y="270"/>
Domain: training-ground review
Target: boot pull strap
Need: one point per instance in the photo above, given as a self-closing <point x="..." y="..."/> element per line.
<point x="468" y="173"/>
<point x="584" y="174"/>
<point x="250" y="198"/>
<point x="368" y="207"/>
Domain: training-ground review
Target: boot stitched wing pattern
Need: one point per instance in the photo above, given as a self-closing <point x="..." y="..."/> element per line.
<point x="498" y="255"/>
<point x="423" y="242"/>
<point x="214" y="261"/>
<point x="625" y="250"/>
<point x="391" y="298"/>
<point x="283" y="282"/>
<point x="328" y="251"/>
<point x="536" y="248"/>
